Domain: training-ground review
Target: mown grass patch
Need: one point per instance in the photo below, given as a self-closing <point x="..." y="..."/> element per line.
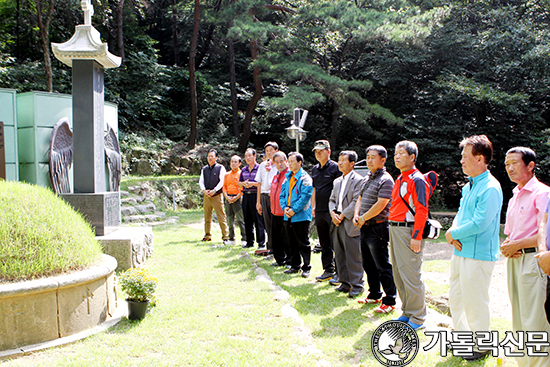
<point x="40" y="234"/>
<point x="212" y="311"/>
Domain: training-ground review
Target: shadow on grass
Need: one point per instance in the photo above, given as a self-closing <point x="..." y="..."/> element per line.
<point x="123" y="326"/>
<point x="234" y="261"/>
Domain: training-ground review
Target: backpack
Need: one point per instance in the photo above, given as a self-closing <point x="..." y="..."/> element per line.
<point x="432" y="179"/>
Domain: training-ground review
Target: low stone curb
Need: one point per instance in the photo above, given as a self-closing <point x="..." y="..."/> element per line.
<point x="22" y="351"/>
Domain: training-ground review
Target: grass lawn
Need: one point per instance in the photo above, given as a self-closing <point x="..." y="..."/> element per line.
<point x="212" y="311"/>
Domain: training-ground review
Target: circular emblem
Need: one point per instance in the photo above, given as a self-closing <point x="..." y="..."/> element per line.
<point x="394" y="343"/>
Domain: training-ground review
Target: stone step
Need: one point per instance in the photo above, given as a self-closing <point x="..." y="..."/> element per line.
<point x="124" y="194"/>
<point x="126" y="211"/>
<point x="146" y="218"/>
<point x="170" y="220"/>
<point x="128" y="201"/>
<point x="146" y="208"/>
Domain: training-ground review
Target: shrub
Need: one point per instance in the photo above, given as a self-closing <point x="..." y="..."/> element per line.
<point x="41" y="235"/>
<point x="138" y="284"/>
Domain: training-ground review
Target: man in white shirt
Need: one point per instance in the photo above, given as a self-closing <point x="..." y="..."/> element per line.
<point x="265" y="175"/>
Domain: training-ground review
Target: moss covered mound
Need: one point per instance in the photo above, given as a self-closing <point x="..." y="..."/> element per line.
<point x="41" y="235"/>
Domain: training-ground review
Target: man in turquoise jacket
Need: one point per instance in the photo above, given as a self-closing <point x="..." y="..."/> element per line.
<point x="475" y="236"/>
<point x="295" y="199"/>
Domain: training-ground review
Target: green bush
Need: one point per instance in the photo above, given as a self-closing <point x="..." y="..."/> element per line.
<point x="41" y="235"/>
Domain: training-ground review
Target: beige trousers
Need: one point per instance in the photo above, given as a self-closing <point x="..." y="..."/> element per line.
<point x="527" y="291"/>
<point x="214" y="203"/>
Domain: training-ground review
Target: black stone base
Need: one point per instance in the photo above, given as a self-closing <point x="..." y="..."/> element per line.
<point x="102" y="210"/>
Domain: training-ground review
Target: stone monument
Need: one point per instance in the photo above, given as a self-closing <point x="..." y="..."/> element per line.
<point x="88" y="57"/>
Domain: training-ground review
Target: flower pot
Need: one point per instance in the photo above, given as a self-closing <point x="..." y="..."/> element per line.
<point x="137" y="310"/>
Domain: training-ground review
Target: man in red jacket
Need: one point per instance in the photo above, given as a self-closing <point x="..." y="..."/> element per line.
<point x="281" y="249"/>
<point x="406" y="230"/>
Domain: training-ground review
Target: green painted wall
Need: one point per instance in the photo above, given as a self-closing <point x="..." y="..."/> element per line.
<point x="37" y="114"/>
<point x="8" y="116"/>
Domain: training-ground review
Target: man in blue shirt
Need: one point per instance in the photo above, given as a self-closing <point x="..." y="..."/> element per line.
<point x="475" y="236"/>
<point x="295" y="200"/>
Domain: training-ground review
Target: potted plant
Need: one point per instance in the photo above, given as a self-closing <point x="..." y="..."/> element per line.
<point x="140" y="287"/>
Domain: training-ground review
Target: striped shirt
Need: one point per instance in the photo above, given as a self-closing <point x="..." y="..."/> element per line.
<point x="376" y="185"/>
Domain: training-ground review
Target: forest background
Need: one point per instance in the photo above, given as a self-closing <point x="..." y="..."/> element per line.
<point x="229" y="72"/>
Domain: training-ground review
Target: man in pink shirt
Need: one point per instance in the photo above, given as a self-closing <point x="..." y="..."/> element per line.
<point x="526" y="281"/>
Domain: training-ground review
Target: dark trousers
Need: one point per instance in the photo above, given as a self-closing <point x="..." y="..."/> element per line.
<point x="281" y="250"/>
<point x="547" y="303"/>
<point x="298" y="237"/>
<point x="376" y="262"/>
<point x="267" y="217"/>
<point x="252" y="220"/>
<point x="322" y="222"/>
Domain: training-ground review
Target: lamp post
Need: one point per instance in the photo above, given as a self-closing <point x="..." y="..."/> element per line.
<point x="295" y="130"/>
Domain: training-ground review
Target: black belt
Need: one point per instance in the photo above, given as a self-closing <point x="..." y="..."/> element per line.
<point x="372" y="222"/>
<point x="266" y="193"/>
<point x="529" y="250"/>
<point x="401" y="224"/>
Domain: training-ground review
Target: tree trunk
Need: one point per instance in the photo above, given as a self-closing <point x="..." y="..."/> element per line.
<point x="334" y="131"/>
<point x="119" y="30"/>
<point x="233" y="86"/>
<point x="258" y="90"/>
<point x="175" y="42"/>
<point x="44" y="26"/>
<point x="18" y="32"/>
<point x="192" y="79"/>
<point x="206" y="47"/>
<point x="472" y="19"/>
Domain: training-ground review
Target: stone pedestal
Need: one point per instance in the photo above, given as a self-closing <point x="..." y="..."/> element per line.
<point x="130" y="246"/>
<point x="102" y="210"/>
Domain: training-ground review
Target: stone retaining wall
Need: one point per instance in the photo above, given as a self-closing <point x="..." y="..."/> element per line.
<point x="40" y="310"/>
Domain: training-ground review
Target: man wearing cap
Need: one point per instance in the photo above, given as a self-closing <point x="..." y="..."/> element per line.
<point x="526" y="281"/>
<point x="324" y="173"/>
<point x="264" y="177"/>
<point x="211" y="184"/>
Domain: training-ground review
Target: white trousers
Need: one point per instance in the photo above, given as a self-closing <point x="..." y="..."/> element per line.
<point x="469" y="293"/>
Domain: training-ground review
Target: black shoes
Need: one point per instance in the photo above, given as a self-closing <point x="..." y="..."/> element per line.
<point x="305" y="274"/>
<point x="325" y="276"/>
<point x="291" y="271"/>
<point x="476" y="355"/>
<point x="342" y="289"/>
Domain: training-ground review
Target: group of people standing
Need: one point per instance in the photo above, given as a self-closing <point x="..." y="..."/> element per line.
<point x="375" y="225"/>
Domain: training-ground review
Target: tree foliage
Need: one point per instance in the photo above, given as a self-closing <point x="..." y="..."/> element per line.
<point x="368" y="71"/>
